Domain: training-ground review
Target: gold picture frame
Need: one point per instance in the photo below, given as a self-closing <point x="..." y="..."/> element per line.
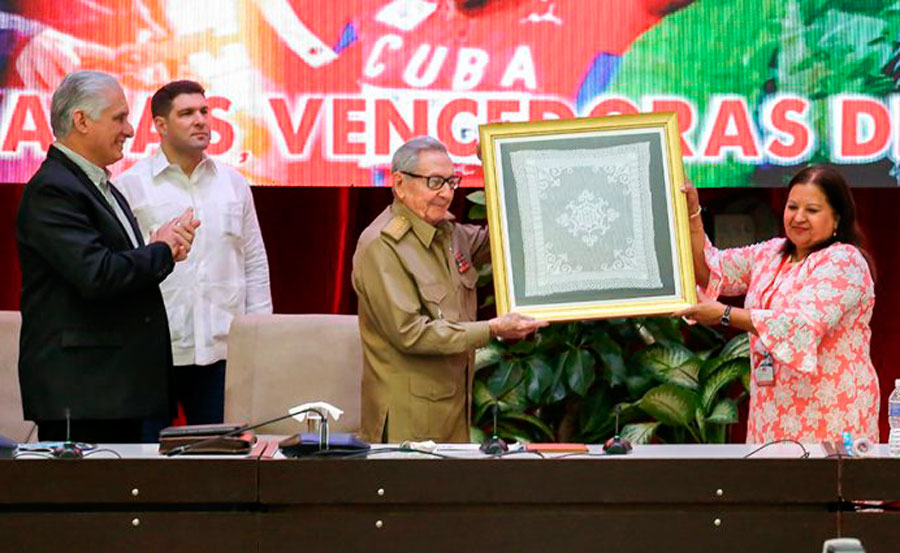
<point x="586" y="216"/>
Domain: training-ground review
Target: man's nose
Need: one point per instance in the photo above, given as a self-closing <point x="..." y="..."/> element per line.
<point x="446" y="191"/>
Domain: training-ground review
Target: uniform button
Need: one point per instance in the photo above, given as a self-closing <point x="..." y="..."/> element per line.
<point x="146" y="319"/>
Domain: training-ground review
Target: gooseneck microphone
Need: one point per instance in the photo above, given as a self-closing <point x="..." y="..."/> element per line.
<point x="68" y="449"/>
<point x="495" y="444"/>
<point x="617" y="445"/>
<point x="323" y="432"/>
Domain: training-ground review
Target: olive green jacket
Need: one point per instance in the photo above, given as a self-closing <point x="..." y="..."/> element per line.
<point x="417" y="309"/>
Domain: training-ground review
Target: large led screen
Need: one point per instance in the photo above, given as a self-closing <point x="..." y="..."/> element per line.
<point x="320" y="92"/>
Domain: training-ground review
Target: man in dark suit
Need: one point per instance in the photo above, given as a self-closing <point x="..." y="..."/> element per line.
<point x="94" y="345"/>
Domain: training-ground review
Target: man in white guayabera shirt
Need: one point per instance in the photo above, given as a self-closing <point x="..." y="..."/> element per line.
<point x="227" y="273"/>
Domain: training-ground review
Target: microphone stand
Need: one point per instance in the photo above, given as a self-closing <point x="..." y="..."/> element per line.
<point x="323" y="432"/>
<point x="495" y="444"/>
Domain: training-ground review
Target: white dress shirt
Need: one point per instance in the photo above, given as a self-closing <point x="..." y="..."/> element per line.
<point x="226" y="272"/>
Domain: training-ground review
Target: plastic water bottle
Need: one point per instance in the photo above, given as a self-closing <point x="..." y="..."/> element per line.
<point x="894" y="420"/>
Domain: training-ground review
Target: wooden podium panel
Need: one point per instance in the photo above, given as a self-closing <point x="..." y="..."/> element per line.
<point x="127" y="481"/>
<point x="865" y="479"/>
<point x="623" y="504"/>
<point x="156" y="532"/>
<point x="548" y="481"/>
<point x="138" y="503"/>
<point x="879" y="532"/>
<point x="869" y="480"/>
<point x="478" y="529"/>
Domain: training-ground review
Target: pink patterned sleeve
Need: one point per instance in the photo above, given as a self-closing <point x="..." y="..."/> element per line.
<point x="729" y="270"/>
<point x="838" y="284"/>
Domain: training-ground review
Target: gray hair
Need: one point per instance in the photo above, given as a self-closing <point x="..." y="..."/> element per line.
<point x="406" y="158"/>
<point x="79" y="90"/>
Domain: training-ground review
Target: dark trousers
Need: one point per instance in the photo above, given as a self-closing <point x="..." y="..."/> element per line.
<point x="118" y="431"/>
<point x="200" y="389"/>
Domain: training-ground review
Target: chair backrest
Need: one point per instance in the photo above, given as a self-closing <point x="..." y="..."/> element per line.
<point x="276" y="362"/>
<point x="12" y="423"/>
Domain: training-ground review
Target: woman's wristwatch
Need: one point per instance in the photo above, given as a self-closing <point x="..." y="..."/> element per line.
<point x="726" y="316"/>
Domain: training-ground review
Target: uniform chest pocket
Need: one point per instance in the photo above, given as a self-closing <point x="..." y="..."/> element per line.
<point x="433" y="295"/>
<point x="232" y="218"/>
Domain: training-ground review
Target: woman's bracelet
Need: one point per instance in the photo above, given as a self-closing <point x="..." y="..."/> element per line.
<point x="696" y="213"/>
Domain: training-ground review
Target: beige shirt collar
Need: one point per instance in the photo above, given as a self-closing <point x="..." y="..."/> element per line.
<point x="98" y="175"/>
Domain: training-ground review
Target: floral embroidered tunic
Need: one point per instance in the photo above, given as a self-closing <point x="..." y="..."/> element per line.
<point x="813" y="319"/>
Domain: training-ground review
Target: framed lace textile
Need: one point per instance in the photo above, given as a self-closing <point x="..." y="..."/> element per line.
<point x="587" y="217"/>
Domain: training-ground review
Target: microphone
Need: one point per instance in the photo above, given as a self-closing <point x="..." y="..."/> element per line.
<point x="495" y="444"/>
<point x="323" y="442"/>
<point x="617" y="445"/>
<point x="68" y="449"/>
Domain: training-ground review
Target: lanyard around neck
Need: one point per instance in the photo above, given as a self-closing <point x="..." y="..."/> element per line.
<point x="774" y="289"/>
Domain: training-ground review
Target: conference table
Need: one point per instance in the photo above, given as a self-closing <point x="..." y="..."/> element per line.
<point x="670" y="498"/>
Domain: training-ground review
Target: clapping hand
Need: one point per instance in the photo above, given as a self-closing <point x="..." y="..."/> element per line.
<point x="178" y="234"/>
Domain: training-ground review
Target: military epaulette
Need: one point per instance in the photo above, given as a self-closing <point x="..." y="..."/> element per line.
<point x="397" y="227"/>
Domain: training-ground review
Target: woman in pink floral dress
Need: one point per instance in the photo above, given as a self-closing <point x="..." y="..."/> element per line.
<point x="809" y="299"/>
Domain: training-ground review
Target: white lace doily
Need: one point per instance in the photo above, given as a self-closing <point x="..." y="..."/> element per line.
<point x="587" y="219"/>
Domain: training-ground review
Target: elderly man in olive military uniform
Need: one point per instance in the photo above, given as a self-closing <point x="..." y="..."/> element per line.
<point x="414" y="271"/>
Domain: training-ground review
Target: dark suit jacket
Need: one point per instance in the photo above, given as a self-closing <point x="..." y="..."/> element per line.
<point x="95" y="338"/>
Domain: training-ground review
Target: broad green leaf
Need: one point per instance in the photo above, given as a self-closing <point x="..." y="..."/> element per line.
<point x="477" y="213"/>
<point x="639" y="432"/>
<point x="725" y="412"/>
<point x="482" y="400"/>
<point x="579" y="369"/>
<point x="628" y="412"/>
<point x="480" y="393"/>
<point x="720" y="379"/>
<point x="610" y="354"/>
<point x="715" y="433"/>
<point x="710" y="366"/>
<point x="539" y="377"/>
<point x="522" y="347"/>
<point x="512" y="432"/>
<point x="700" y="419"/>
<point x="482" y="413"/>
<point x="660" y="359"/>
<point x="670" y="404"/>
<point x="557" y="391"/>
<point x="489" y="355"/>
<point x="537" y="426"/>
<point x="737" y="347"/>
<point x="596" y="411"/>
<point x="686" y="375"/>
<point x="515" y="399"/>
<point x="477" y="197"/>
<point x="638" y="383"/>
<point x="663" y="329"/>
<point x="505" y="377"/>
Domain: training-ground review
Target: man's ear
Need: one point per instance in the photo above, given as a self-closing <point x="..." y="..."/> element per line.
<point x="397" y="183"/>
<point x="159" y="123"/>
<point x="80" y="121"/>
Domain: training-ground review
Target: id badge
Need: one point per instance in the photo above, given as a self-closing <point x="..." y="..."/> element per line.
<point x="764" y="373"/>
